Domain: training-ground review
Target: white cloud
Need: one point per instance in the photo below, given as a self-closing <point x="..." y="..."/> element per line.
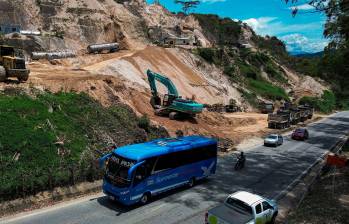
<point x="212" y="1"/>
<point x="303" y="7"/>
<point x="299" y="43"/>
<point x="259" y="25"/>
<point x="290" y="34"/>
<point x="273" y="27"/>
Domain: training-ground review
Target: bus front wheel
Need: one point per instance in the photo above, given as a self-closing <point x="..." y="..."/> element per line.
<point x="191" y="182"/>
<point x="145" y="198"/>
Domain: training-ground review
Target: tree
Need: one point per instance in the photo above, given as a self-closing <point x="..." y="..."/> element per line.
<point x="319" y="5"/>
<point x="334" y="65"/>
<point x="187" y="4"/>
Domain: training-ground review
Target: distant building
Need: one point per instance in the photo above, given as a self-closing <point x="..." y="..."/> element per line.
<point x="6" y="29"/>
<point x="171" y="40"/>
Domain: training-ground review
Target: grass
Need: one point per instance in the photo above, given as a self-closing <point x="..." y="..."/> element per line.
<point x="266" y="89"/>
<point x="52" y="139"/>
<point x="275" y="73"/>
<point x="248" y="71"/>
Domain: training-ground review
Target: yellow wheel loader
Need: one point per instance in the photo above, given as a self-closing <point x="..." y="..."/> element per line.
<point x="11" y="65"/>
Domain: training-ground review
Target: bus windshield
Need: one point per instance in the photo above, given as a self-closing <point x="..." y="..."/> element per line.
<point x="117" y="171"/>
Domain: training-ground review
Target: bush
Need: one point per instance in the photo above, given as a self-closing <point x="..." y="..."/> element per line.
<point x="230" y="71"/>
<point x="208" y="54"/>
<point x="248" y="71"/>
<point x="258" y="59"/>
<point x="325" y="104"/>
<point x="144" y="123"/>
<point x="223" y="31"/>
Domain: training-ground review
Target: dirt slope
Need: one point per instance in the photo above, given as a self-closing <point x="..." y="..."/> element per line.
<point x="120" y="77"/>
<point x="178" y="65"/>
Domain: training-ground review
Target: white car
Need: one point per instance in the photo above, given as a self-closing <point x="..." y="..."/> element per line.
<point x="243" y="208"/>
<point x="273" y="140"/>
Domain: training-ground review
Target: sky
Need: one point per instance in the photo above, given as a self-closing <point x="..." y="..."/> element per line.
<point x="303" y="33"/>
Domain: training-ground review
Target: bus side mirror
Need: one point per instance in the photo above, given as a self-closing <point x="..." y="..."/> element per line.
<point x="102" y="160"/>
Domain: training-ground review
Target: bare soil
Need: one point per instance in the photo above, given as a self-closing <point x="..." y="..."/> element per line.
<point x="327" y="202"/>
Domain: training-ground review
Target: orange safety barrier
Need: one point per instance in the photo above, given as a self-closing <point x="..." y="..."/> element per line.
<point x="336" y="160"/>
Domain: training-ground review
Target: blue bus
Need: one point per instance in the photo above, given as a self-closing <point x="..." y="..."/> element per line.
<point x="135" y="173"/>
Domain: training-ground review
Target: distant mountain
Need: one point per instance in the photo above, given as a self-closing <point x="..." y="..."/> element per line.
<point x="307" y="55"/>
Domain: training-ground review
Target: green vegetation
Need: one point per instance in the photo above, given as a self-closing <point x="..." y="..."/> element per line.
<point x="275" y="73"/>
<point x="266" y="89"/>
<point x="246" y="68"/>
<point x="53" y="140"/>
<point x="250" y="97"/>
<point x="273" y="45"/>
<point x="222" y="31"/>
<point x="333" y="65"/>
<point x="325" y="104"/>
<point x="209" y="54"/>
<point x="248" y="71"/>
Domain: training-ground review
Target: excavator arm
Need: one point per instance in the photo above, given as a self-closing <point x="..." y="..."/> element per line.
<point x="152" y="77"/>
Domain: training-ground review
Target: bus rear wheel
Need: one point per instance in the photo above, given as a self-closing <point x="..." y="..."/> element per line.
<point x="145" y="198"/>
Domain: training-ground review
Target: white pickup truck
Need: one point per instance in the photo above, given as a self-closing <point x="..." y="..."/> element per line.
<point x="243" y="208"/>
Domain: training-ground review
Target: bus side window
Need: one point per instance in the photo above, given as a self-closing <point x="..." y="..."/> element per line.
<point x="165" y="162"/>
<point x="149" y="166"/>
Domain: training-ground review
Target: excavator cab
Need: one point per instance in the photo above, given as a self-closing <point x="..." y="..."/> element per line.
<point x="168" y="100"/>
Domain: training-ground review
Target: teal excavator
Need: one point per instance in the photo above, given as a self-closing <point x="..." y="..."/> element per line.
<point x="172" y="104"/>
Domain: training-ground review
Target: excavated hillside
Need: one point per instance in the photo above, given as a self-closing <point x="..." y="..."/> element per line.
<point x="120" y="77"/>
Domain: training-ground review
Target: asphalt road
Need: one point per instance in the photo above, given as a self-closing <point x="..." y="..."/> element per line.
<point x="268" y="172"/>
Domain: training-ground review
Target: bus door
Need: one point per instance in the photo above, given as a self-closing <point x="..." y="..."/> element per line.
<point x="142" y="179"/>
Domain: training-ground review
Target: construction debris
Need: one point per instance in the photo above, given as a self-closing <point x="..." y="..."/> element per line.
<point x="221" y="108"/>
<point x="53" y="55"/>
<point x="30" y="33"/>
<point x="99" y="48"/>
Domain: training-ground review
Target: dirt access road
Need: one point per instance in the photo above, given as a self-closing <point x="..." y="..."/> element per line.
<point x="268" y="172"/>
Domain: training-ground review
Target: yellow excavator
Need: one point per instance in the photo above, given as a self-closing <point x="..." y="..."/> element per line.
<point x="11" y="65"/>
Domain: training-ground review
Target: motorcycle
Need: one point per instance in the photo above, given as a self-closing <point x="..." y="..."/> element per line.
<point x="240" y="164"/>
